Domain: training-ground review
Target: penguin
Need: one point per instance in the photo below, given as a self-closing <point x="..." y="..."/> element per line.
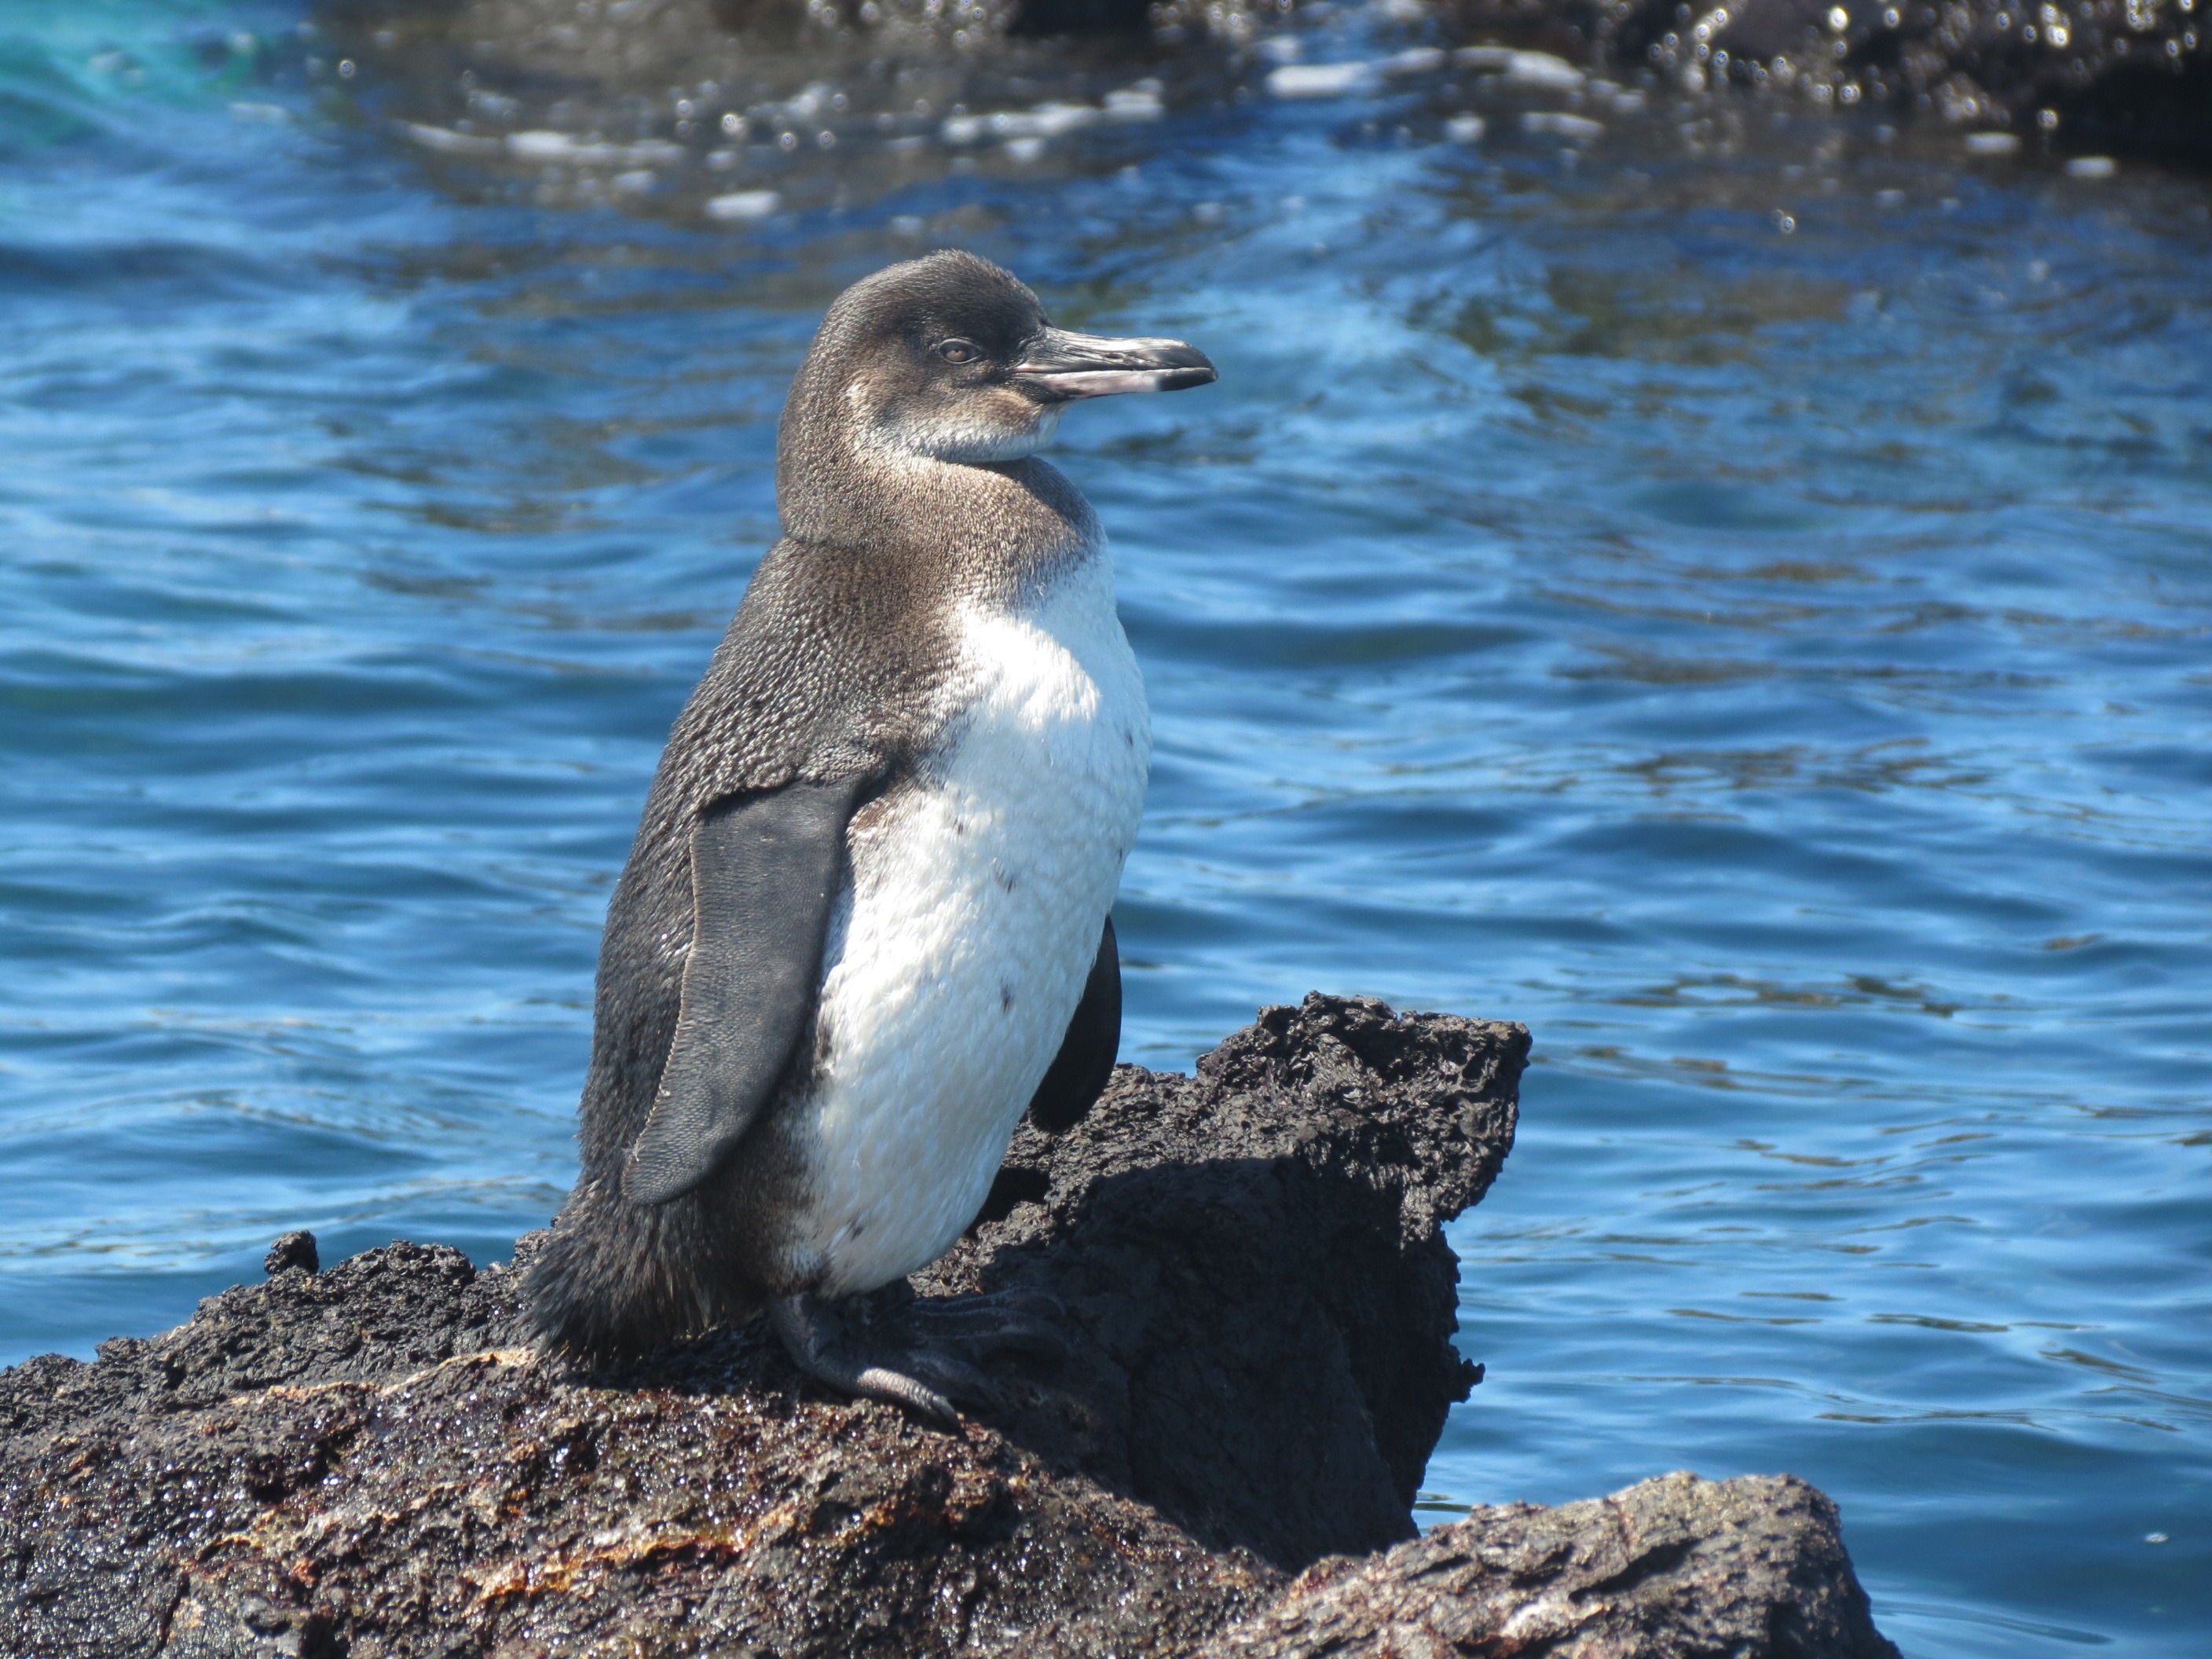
<point x="864" y="924"/>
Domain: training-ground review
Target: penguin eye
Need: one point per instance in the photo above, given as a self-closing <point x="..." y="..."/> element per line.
<point x="959" y="351"/>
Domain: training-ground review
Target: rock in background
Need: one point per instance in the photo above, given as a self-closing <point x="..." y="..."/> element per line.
<point x="360" y="1461"/>
<point x="727" y="114"/>
<point x="2119" y="76"/>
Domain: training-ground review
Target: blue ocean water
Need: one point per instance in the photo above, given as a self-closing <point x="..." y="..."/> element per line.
<point x="1732" y="591"/>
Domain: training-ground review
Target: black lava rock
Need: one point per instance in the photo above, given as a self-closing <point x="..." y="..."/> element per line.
<point x="293" y="1249"/>
<point x="365" y="1461"/>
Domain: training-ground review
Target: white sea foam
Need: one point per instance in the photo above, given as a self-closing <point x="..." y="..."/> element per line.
<point x="1321" y="80"/>
<point x="741" y="205"/>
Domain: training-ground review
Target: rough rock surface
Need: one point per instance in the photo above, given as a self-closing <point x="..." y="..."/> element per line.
<point x="1673" y="1566"/>
<point x="357" y="1461"/>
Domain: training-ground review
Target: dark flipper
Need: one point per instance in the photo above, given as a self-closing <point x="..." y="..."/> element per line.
<point x="1085" y="1060"/>
<point x="764" y="871"/>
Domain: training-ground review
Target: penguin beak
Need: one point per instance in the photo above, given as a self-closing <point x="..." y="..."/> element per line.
<point x="1063" y="366"/>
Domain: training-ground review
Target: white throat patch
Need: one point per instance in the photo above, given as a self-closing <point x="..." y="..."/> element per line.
<point x="964" y="441"/>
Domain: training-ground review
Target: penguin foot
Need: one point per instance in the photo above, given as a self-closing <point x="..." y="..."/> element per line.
<point x="924" y="1380"/>
<point x="1019" y="1321"/>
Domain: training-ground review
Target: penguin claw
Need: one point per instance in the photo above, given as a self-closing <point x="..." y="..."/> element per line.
<point x="954" y="1376"/>
<point x="924" y="1380"/>
<point x="881" y="1382"/>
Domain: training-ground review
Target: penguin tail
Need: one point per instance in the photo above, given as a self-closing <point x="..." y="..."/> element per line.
<point x="610" y="1283"/>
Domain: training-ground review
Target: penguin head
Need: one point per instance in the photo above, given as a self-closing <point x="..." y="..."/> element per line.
<point x="949" y="358"/>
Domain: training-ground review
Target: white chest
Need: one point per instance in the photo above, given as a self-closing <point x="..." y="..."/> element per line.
<point x="976" y="903"/>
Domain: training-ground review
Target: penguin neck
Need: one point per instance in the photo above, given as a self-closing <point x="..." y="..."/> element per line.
<point x="985" y="525"/>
